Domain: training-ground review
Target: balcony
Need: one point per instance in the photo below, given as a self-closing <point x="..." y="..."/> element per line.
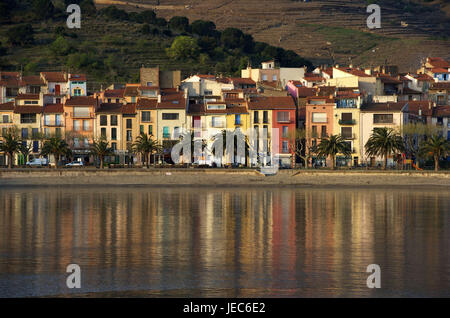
<point x="83" y="116"/>
<point x="54" y="124"/>
<point x="347" y="122"/>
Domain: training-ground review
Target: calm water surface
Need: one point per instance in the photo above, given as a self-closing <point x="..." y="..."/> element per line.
<point x="224" y="242"/>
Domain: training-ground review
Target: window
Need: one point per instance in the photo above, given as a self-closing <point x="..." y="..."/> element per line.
<point x="86" y="125"/>
<point x="145" y="117"/>
<point x="109" y="100"/>
<point x="237" y="119"/>
<point x="35" y="146"/>
<point x="319" y="117"/>
<point x="256" y="117"/>
<point x="150" y="129"/>
<point x="166" y="133"/>
<point x="86" y="142"/>
<point x="149" y="83"/>
<point x="141" y="129"/>
<point x="274" y="78"/>
<point x="113" y="133"/>
<point x="283" y="117"/>
<point x="207" y="92"/>
<point x="170" y="116"/>
<point x="77" y="92"/>
<point x="133" y="99"/>
<point x="113" y="120"/>
<point x="58" y="120"/>
<point x="217" y="106"/>
<point x="76" y="142"/>
<point x="346" y="132"/>
<point x="27" y="118"/>
<point x="5" y="119"/>
<point x="24" y="133"/>
<point x="217" y="122"/>
<point x="383" y="118"/>
<point x="46" y="120"/>
<point x="31" y="102"/>
<point x="265" y="117"/>
<point x="285" y="146"/>
<point x="34" y="132"/>
<point x="76" y="125"/>
<point x="47" y="132"/>
<point x="114" y="145"/>
<point x="264" y="77"/>
<point x="103" y="132"/>
<point x="129" y="135"/>
<point x="81" y="112"/>
<point x="346" y="116"/>
<point x="117" y="100"/>
<point x="129" y="124"/>
<point x="176" y="133"/>
<point x="285" y="131"/>
<point x="314" y="131"/>
<point x="58" y="131"/>
<point x="323" y="131"/>
<point x="4" y="130"/>
<point x="103" y="120"/>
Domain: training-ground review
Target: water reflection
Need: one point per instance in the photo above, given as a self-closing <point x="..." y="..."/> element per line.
<point x="224" y="242"/>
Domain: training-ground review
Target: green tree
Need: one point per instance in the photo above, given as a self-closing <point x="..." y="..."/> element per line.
<point x="57" y="147"/>
<point x="100" y="148"/>
<point x="183" y="47"/>
<point x="145" y="146"/>
<point x="10" y="144"/>
<point x="415" y="134"/>
<point x="331" y="146"/>
<point x="178" y="23"/>
<point x="204" y="28"/>
<point x="437" y="147"/>
<point x="20" y="35"/>
<point x="25" y="150"/>
<point x="384" y="142"/>
<point x="60" y="46"/>
<point x="43" y="9"/>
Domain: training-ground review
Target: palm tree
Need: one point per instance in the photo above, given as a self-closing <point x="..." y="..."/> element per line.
<point x="384" y="142"/>
<point x="25" y="150"/>
<point x="101" y="149"/>
<point x="145" y="145"/>
<point x="331" y="146"/>
<point x="437" y="147"/>
<point x="10" y="145"/>
<point x="57" y="147"/>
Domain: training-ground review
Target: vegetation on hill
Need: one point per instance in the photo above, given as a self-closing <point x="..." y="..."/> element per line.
<point x="112" y="44"/>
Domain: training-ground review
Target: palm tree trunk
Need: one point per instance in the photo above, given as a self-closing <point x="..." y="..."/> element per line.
<point x="436" y="163"/>
<point x="148" y="160"/>
<point x="333" y="167"/>
<point x="10" y="161"/>
<point x="101" y="162"/>
<point x="385" y="161"/>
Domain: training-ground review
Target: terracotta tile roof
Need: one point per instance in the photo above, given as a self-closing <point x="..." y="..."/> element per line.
<point x="10" y="79"/>
<point x="148" y="88"/>
<point x="386" y="107"/>
<point x="271" y="102"/>
<point x="32" y="80"/>
<point x="353" y="71"/>
<point x="110" y="108"/>
<point x="240" y="80"/>
<point x="114" y="93"/>
<point x="196" y="109"/>
<point x="81" y="101"/>
<point x="441" y="111"/>
<point x="306" y="92"/>
<point x="146" y="104"/>
<point x="425" y="106"/>
<point x="208" y="76"/>
<point x="28" y="109"/>
<point x="131" y="91"/>
<point x="326" y="99"/>
<point x="328" y="71"/>
<point x="53" y="108"/>
<point x="439" y="70"/>
<point x="173" y="103"/>
<point x="7" y="106"/>
<point x="438" y="62"/>
<point x="222" y="80"/>
<point x="387" y="79"/>
<point x="77" y="78"/>
<point x="314" y="79"/>
<point x="230" y="110"/>
<point x="129" y="108"/>
<point x="27" y="96"/>
<point x="440" y="85"/>
<point x="408" y="90"/>
<point x="56" y="77"/>
<point x="423" y="77"/>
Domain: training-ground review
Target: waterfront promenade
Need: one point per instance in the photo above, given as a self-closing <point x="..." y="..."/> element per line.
<point x="155" y="177"/>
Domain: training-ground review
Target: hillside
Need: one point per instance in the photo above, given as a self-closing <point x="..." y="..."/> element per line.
<point x="329" y="29"/>
<point x="112" y="44"/>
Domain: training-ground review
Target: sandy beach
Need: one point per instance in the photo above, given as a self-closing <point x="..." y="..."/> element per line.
<point x="220" y="178"/>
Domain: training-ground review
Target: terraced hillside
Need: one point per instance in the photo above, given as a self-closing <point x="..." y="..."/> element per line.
<point x="326" y="30"/>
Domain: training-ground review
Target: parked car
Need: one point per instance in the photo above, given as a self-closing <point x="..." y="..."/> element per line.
<point x="75" y="164"/>
<point x="36" y="162"/>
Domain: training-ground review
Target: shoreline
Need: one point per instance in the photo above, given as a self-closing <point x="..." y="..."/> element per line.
<point x="225" y="178"/>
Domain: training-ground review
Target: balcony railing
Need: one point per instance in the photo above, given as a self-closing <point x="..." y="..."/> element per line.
<point x="347" y="122"/>
<point x="88" y="116"/>
<point x="54" y="124"/>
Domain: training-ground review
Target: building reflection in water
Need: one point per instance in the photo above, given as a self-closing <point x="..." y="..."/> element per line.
<point x="224" y="242"/>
